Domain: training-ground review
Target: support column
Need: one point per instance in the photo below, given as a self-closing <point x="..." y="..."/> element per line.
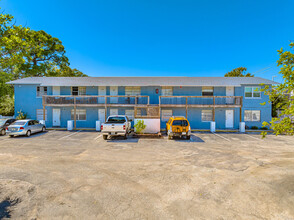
<point x="44" y="110"/>
<point x="213" y="110"/>
<point x="186" y="107"/>
<point x="75" y="114"/>
<point x="105" y="108"/>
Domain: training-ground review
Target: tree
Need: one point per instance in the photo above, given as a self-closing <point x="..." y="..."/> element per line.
<point x="25" y="53"/>
<point x="239" y="72"/>
<point x="285" y="123"/>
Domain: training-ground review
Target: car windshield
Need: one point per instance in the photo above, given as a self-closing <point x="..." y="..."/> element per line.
<point x="117" y="119"/>
<point x="180" y="122"/>
<point x="2" y="121"/>
<point x="19" y="123"/>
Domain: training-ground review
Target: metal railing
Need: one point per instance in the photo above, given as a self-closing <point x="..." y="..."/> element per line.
<point x="217" y="101"/>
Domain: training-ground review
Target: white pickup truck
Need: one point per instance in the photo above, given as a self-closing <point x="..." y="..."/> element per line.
<point x="116" y="125"/>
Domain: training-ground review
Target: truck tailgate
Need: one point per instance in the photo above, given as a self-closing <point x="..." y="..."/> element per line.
<point x="113" y="128"/>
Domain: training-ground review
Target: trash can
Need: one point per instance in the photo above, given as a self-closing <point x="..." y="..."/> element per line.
<point x="98" y="126"/>
<point x="70" y="125"/>
<point x="212" y="126"/>
<point x="242" y="127"/>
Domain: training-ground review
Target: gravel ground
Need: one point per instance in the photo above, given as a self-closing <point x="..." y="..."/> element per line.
<point x="77" y="175"/>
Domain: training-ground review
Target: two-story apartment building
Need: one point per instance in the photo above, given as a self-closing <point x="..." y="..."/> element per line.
<point x="225" y="100"/>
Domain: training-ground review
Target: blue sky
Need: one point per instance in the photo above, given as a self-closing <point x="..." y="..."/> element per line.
<point x="163" y="37"/>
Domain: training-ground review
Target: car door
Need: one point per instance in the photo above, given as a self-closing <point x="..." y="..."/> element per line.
<point x="7" y="123"/>
<point x="38" y="126"/>
<point x="30" y="126"/>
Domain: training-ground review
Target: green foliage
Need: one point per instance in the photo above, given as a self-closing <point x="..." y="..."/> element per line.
<point x="239" y="72"/>
<point x="26" y="53"/>
<point x="284" y="124"/>
<point x="140" y="126"/>
<point x="7" y="105"/>
<point x="21" y="115"/>
<point x="254" y="127"/>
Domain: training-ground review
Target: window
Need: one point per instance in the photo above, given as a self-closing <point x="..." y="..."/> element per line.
<point x="116" y="119"/>
<point x="133" y="90"/>
<point x="166" y="114"/>
<point x="206" y="115"/>
<point x="180" y="123"/>
<point x="40" y="114"/>
<point x="252" y="92"/>
<point x="41" y="90"/>
<point x="251" y="115"/>
<point x="81" y="90"/>
<point x="130" y="114"/>
<point x="207" y="91"/>
<point x="80" y="114"/>
<point x="167" y="91"/>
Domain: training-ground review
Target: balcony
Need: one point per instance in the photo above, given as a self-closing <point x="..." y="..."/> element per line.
<point x="201" y="101"/>
<point x="95" y="101"/>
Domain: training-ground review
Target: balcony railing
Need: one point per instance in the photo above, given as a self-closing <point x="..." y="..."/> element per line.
<point x="164" y="101"/>
<point x="201" y="101"/>
<point x="56" y="100"/>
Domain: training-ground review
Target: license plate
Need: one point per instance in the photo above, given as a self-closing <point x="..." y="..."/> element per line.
<point x="112" y="133"/>
<point x="184" y="133"/>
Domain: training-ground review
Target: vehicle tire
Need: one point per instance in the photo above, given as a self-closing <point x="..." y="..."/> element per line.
<point x="3" y="132"/>
<point x="104" y="137"/>
<point x="169" y="137"/>
<point x="11" y="136"/>
<point x="125" y="137"/>
<point x="28" y="133"/>
<point x="188" y="137"/>
<point x="43" y="129"/>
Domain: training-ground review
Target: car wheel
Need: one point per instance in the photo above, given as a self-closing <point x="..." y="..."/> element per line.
<point x="3" y="132"/>
<point x="188" y="137"/>
<point x="11" y="136"/>
<point x="43" y="129"/>
<point x="125" y="137"/>
<point x="104" y="137"/>
<point x="28" y="133"/>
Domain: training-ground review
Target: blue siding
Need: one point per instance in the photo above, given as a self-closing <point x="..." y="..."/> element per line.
<point x="26" y="100"/>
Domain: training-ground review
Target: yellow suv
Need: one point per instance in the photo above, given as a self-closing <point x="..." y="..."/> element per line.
<point x="178" y="126"/>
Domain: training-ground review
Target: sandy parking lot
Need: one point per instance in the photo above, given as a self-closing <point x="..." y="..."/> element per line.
<point x="77" y="175"/>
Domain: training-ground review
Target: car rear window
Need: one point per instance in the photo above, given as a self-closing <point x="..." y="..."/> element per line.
<point x="19" y="123"/>
<point x="117" y="119"/>
<point x="180" y="123"/>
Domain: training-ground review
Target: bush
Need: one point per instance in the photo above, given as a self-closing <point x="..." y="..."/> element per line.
<point x="264" y="128"/>
<point x="7" y="105"/>
<point x="254" y="128"/>
<point x="21" y="115"/>
<point x="140" y="126"/>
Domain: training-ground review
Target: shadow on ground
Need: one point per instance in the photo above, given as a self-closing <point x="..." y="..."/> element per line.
<point x="5" y="206"/>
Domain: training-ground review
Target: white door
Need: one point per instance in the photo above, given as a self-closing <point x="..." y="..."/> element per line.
<point x="101" y="91"/>
<point x="101" y="115"/>
<point x="230" y="92"/>
<point x="113" y="111"/>
<point x="229" y="118"/>
<point x="56" y="117"/>
<point x="113" y="91"/>
<point x="56" y="90"/>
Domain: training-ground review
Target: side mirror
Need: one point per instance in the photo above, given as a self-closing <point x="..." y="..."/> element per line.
<point x="6" y="124"/>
